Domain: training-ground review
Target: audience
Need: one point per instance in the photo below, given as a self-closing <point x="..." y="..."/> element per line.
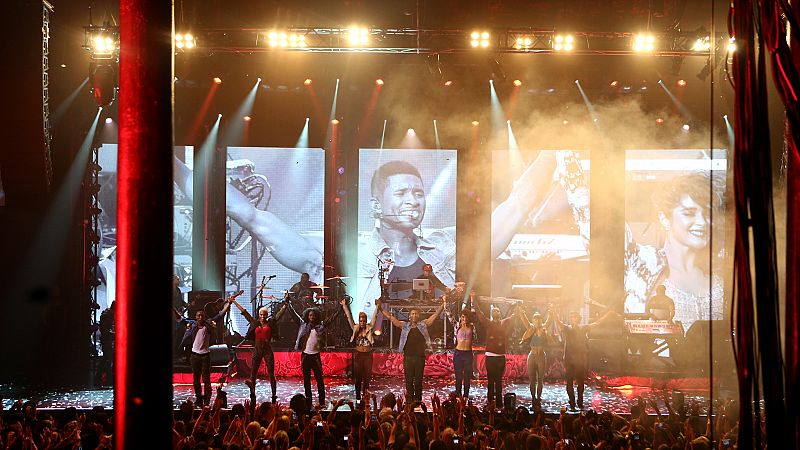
<point x="451" y="424"/>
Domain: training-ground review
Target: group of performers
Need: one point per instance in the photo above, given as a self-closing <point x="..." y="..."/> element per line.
<point x="415" y="340"/>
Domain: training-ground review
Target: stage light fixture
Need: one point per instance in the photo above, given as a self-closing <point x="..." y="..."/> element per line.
<point x="109" y="120"/>
<point x="247" y="118"/>
<point x="358" y="36"/>
<point x="659" y="121"/>
<point x="475" y="123"/>
<point x="102" y="42"/>
<point x="731" y="45"/>
<point x="282" y="39"/>
<point x="565" y="122"/>
<point x="479" y="39"/>
<point x="685" y="127"/>
<point x="217" y="80"/>
<point x="644" y="43"/>
<point x="563" y="43"/>
<point x="702" y="44"/>
<point x="682" y="82"/>
<point x="517" y="83"/>
<point x="523" y="42"/>
<point x="448" y="83"/>
<point x="185" y="41"/>
<point x="379" y="82"/>
<point x="377" y="332"/>
<point x="614" y="83"/>
<point x="335" y="121"/>
<point x="307" y="82"/>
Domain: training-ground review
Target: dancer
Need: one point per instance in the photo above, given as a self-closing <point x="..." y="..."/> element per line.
<point x="362" y="339"/>
<point x="308" y="342"/>
<point x="536" y="334"/>
<point x="495" y="350"/>
<point x="262" y="331"/>
<point x="576" y="350"/>
<point x="414" y="340"/>
<point x="462" y="357"/>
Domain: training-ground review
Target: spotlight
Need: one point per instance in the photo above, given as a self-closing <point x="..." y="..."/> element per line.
<point x="359" y="36"/>
<point x="659" y="121"/>
<point x="282" y="39"/>
<point x="377" y="332"/>
<point x="563" y="43"/>
<point x="102" y="43"/>
<point x="702" y="45"/>
<point x="479" y="39"/>
<point x="644" y="43"/>
<point x="335" y="121"/>
<point x="217" y="80"/>
<point x="247" y="118"/>
<point x="307" y="82"/>
<point x="448" y="83"/>
<point x="565" y="122"/>
<point x="184" y="41"/>
<point x="682" y="82"/>
<point x="517" y="83"/>
<point x="109" y="120"/>
<point x="523" y="42"/>
<point x="411" y="132"/>
<point x="379" y="82"/>
<point x="614" y="83"/>
<point x="686" y="127"/>
<point x="731" y="45"/>
<point x="475" y="123"/>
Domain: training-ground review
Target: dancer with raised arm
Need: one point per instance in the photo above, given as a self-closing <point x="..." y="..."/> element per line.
<point x="362" y="340"/>
<point x="496" y="328"/>
<point x="536" y="335"/>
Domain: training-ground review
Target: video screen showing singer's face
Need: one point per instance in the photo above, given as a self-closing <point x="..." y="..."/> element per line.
<point x="407" y="216"/>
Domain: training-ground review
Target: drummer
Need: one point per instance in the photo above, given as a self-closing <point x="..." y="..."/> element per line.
<point x="304" y="290"/>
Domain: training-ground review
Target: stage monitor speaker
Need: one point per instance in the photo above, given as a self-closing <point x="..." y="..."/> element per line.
<point x="606" y="355"/>
<point x="220" y="355"/>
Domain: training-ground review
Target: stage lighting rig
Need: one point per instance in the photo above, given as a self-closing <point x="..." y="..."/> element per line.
<point x="563" y="43"/>
<point x="102" y="42"/>
<point x="358" y="36"/>
<point x="644" y="43"/>
<point x="282" y="39"/>
<point x="185" y="41"/>
<point x="702" y="44"/>
<point x="479" y="39"/>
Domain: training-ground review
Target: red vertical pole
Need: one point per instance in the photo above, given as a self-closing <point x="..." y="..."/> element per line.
<point x="143" y="396"/>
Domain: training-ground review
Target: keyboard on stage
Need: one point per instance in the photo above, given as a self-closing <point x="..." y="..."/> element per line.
<point x="654" y="327"/>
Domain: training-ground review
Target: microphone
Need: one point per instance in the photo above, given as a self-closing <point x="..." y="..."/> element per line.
<point x="264" y="280"/>
<point x="272" y="276"/>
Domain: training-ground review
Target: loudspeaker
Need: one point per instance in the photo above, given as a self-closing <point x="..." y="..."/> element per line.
<point x="220" y="356"/>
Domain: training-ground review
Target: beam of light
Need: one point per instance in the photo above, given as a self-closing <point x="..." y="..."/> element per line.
<point x="366" y="121"/>
<point x="383" y="134"/>
<point x="314" y="100"/>
<point x="38" y="275"/>
<point x="202" y="162"/>
<point x="436" y="134"/>
<point x="67" y="103"/>
<point x="234" y="133"/>
<point x="588" y="103"/>
<point x="302" y="141"/>
<point x="332" y="117"/>
<point x="191" y="136"/>
<point x="678" y="105"/>
<point x="512" y="99"/>
<point x="441" y="183"/>
<point x="515" y="160"/>
<point x="411" y="140"/>
<point x="498" y="116"/>
<point x="729" y="130"/>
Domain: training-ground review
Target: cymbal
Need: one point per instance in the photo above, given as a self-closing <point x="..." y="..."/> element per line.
<point x="319" y="287"/>
<point x="336" y="278"/>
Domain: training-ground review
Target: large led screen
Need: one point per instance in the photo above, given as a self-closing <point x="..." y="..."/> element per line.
<point x="540" y="225"/>
<point x="675" y="234"/>
<point x="275" y="205"/>
<point x="406" y="219"/>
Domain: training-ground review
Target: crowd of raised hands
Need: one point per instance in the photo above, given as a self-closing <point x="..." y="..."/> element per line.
<point x="453" y="423"/>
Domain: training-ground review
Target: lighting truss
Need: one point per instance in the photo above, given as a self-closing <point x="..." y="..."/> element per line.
<point x="437" y="41"/>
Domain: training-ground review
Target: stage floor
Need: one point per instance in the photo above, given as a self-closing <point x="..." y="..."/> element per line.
<point x="598" y="395"/>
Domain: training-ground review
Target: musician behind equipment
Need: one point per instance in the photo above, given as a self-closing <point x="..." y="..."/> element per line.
<point x="435" y="288"/>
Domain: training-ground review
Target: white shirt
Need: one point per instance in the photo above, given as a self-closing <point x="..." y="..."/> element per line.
<point x="312" y="344"/>
<point x="201" y="341"/>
